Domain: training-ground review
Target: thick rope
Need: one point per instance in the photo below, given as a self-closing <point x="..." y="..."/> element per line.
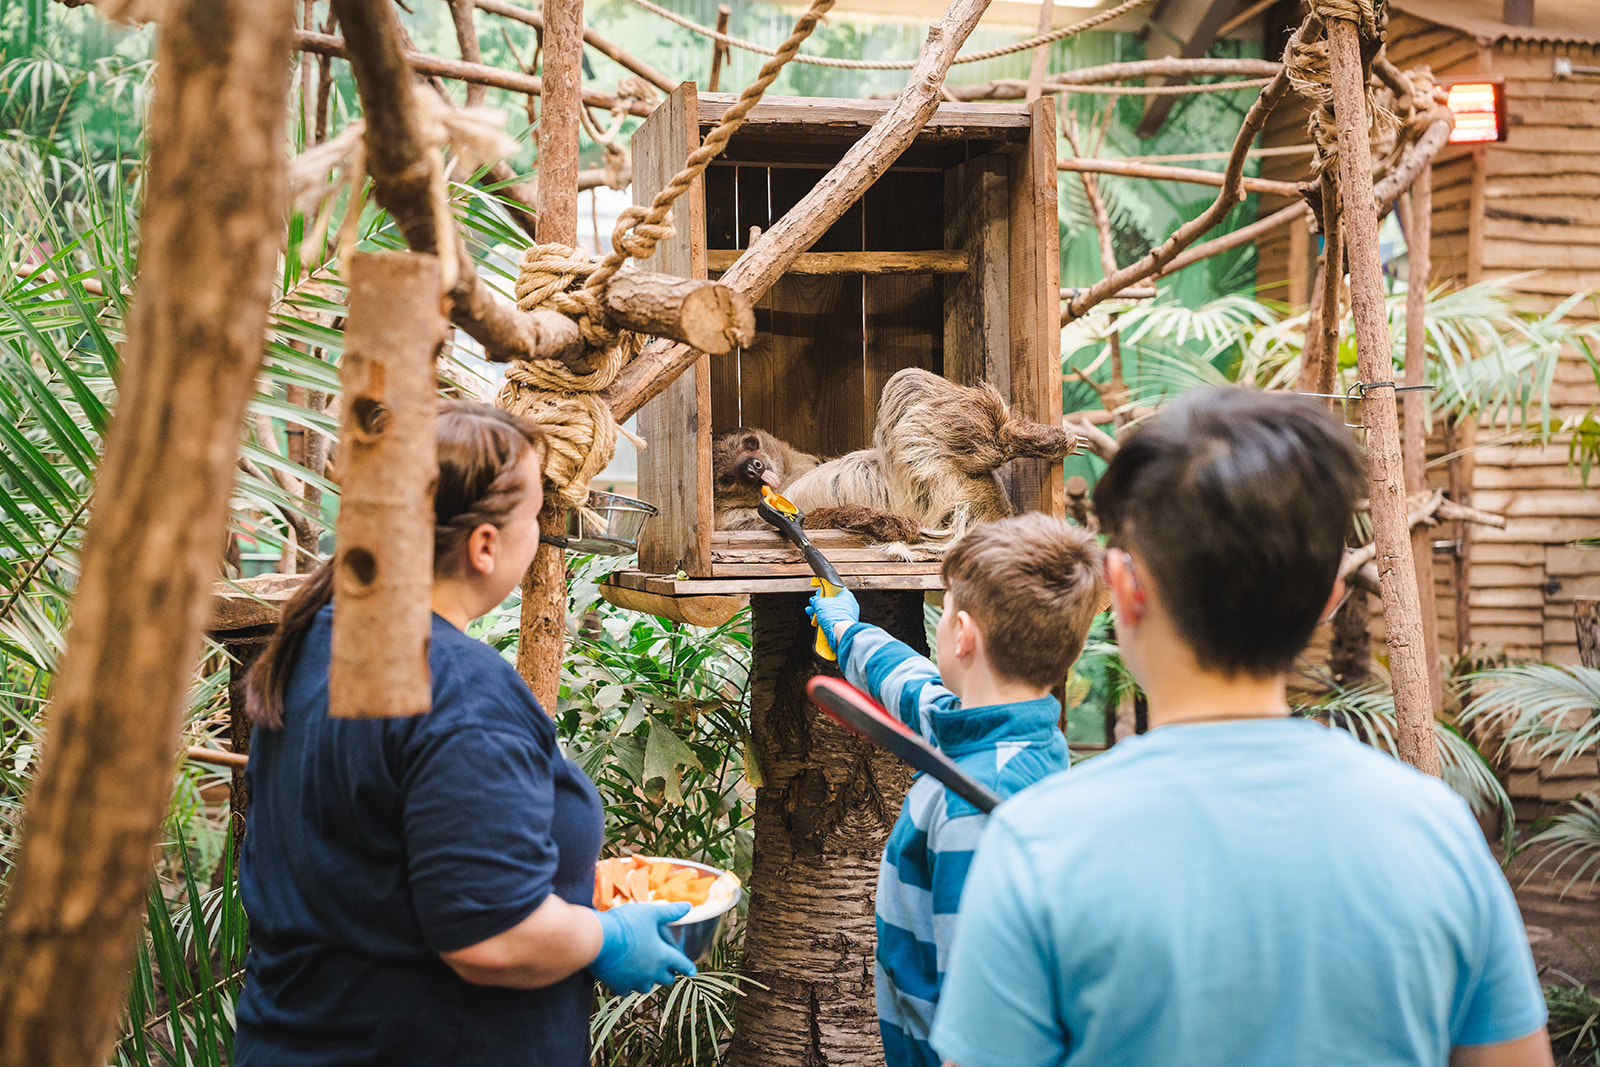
<point x="578" y="424"/>
<point x="1311" y="76"/>
<point x="896" y="64"/>
<point x="650" y="226"/>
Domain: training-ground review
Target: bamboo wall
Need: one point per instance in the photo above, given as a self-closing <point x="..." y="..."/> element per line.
<point x="1501" y="213"/>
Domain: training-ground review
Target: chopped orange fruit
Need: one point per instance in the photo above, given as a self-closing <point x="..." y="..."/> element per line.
<point x="625" y="879"/>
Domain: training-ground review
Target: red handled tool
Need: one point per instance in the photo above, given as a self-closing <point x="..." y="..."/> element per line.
<point x="786" y="518"/>
<point x="865" y="717"/>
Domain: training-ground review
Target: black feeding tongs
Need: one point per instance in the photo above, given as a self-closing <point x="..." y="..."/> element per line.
<point x="786" y="519"/>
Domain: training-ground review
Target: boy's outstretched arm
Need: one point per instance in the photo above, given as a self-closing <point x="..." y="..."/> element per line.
<point x="1530" y="1051"/>
<point x="892" y="672"/>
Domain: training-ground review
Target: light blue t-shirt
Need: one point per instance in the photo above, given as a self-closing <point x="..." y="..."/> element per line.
<point x="1235" y="894"/>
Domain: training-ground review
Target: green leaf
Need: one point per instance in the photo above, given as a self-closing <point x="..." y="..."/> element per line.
<point x="664" y="755"/>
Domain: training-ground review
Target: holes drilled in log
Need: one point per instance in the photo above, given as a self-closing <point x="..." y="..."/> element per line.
<point x="369" y="416"/>
<point x="359" y="570"/>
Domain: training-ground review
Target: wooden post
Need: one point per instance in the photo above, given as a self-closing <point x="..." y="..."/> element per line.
<point x="1041" y="54"/>
<point x="824" y="809"/>
<point x="1586" y="614"/>
<point x="1391" y="531"/>
<point x="383" y="567"/>
<point x="1459" y="437"/>
<point x="216" y="192"/>
<point x="1319" y="356"/>
<point x="542" y="638"/>
<point x="719" y="51"/>
<point x="1419" y="243"/>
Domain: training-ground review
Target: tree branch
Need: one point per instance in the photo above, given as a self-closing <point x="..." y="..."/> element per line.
<point x="403" y="177"/>
<point x="1185" y="235"/>
<point x="514" y="81"/>
<point x="590" y="38"/>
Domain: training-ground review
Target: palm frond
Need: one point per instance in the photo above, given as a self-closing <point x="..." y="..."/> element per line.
<point x="1573" y="840"/>
<point x="1368" y="713"/>
<point x="1552" y="710"/>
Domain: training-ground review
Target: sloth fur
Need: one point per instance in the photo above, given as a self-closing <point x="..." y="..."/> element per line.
<point x="930" y="473"/>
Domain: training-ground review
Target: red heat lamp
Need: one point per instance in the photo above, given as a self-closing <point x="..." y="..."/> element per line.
<point x="1480" y="111"/>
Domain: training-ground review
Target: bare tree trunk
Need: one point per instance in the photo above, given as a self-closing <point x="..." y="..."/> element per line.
<point x="824" y="809"/>
<point x="544" y="589"/>
<point x="467" y="38"/>
<point x="1350" y="645"/>
<point x="1319" y="359"/>
<point x="1419" y="253"/>
<point x="1586" y="615"/>
<point x="1397" y="572"/>
<point x="216" y="194"/>
<point x="383" y="569"/>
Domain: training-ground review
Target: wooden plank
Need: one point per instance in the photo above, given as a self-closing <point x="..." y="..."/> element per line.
<point x="1518" y="553"/>
<point x="1527" y="477"/>
<point x="935" y="261"/>
<point x="804" y="379"/>
<point x="1035" y="279"/>
<point x="902" y="312"/>
<point x="977" y="310"/>
<point x="1007" y="121"/>
<point x="1553" y="503"/>
<point x="1538" y="530"/>
<point x="846" y="569"/>
<point x="1520" y="598"/>
<point x="791" y="554"/>
<point x="693" y="610"/>
<point x="1485" y="576"/>
<point x="667" y="586"/>
<point x="1504" y="160"/>
<point x="1564" y="561"/>
<point x="722" y="231"/>
<point x="675" y="470"/>
<point x="726" y="540"/>
<point x="1562" y="592"/>
<point x="1522" y="253"/>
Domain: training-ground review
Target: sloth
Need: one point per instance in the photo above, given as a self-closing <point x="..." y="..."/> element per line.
<point x="929" y="475"/>
<point x="744" y="459"/>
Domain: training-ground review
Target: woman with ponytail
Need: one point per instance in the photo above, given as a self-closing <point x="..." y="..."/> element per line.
<point x="418" y="889"/>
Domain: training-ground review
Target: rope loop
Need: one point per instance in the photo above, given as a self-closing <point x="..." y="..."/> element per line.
<point x="577" y="422"/>
<point x="1364" y="13"/>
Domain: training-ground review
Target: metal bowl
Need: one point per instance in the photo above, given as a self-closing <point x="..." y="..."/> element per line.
<point x="608" y="526"/>
<point x="696" y="938"/>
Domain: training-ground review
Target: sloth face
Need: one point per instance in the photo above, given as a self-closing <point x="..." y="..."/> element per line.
<point x="741" y="463"/>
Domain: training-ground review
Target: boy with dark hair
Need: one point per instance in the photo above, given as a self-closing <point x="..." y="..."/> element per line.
<point x="1236" y="887"/>
<point x="1020" y="596"/>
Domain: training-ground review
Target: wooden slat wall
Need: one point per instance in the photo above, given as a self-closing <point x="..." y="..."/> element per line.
<point x="675" y="471"/>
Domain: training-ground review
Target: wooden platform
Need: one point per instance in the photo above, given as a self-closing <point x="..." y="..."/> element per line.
<point x="761" y="561"/>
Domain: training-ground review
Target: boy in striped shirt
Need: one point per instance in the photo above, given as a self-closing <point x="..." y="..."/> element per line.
<point x="1020" y="596"/>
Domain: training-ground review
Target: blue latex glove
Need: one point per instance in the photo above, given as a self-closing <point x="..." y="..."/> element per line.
<point x="636" y="952"/>
<point x="829" y="611"/>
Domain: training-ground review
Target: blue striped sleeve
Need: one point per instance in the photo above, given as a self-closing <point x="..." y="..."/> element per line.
<point x="895" y="676"/>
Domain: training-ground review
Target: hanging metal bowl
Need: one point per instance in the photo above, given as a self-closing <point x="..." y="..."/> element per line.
<point x="608" y="526"/>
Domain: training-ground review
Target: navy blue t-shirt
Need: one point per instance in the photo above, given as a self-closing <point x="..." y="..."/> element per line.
<point x="373" y="845"/>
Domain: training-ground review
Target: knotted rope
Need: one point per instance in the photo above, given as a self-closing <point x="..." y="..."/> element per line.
<point x="1311" y="75"/>
<point x="579" y="424"/>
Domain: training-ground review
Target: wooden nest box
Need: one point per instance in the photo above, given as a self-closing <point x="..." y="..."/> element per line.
<point x="949" y="263"/>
